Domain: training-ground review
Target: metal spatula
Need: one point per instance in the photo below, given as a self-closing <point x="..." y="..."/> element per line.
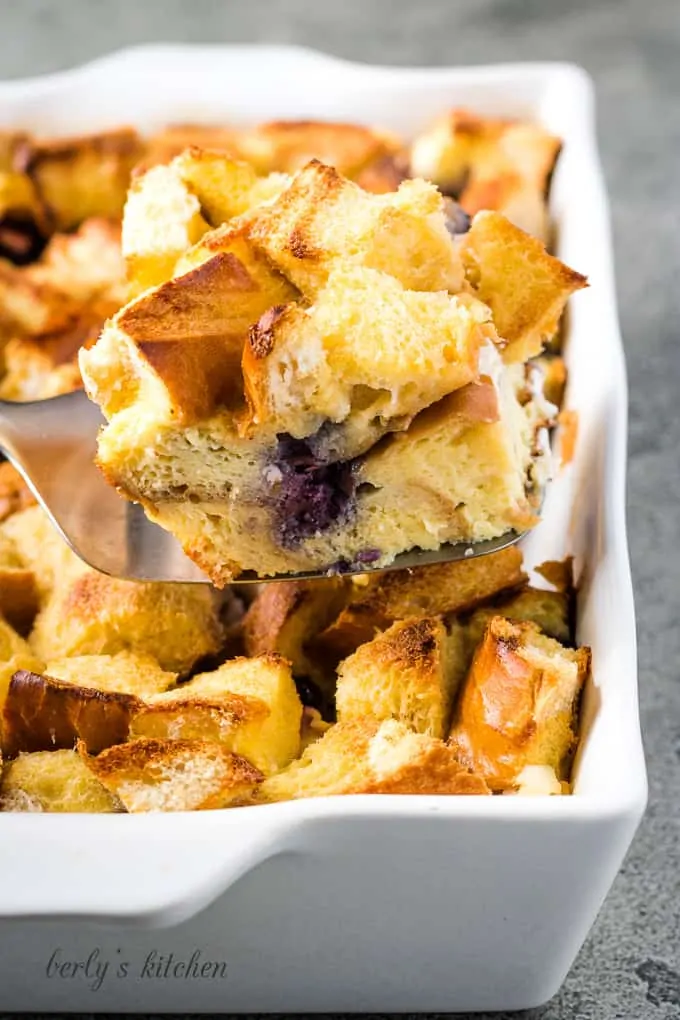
<point x="53" y="444"/>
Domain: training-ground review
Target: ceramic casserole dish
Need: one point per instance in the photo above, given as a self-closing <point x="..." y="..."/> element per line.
<point x="389" y="904"/>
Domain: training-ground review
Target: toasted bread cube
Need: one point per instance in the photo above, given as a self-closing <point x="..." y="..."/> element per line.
<point x="174" y="775"/>
<point x="463" y="149"/>
<point x="31" y="305"/>
<point x="549" y="610"/>
<point x="87" y="264"/>
<point x="162" y="220"/>
<point x="19" y="601"/>
<point x="251" y="706"/>
<point x="15" y="654"/>
<point x="286" y="615"/>
<point x="288" y="145"/>
<point x="223" y="186"/>
<point x="306" y="367"/>
<point x="54" y="781"/>
<point x="173" y="139"/>
<point x="83" y="177"/>
<point x="443" y="588"/>
<point x="169" y="208"/>
<point x="179" y="346"/>
<point x="355" y="625"/>
<point x="40" y="548"/>
<point x="92" y="614"/>
<point x="525" y="288"/>
<point x="369" y="756"/>
<point x="403" y="674"/>
<point x="519" y="201"/>
<point x="123" y="673"/>
<point x="323" y="219"/>
<point x="41" y="713"/>
<point x="519" y="705"/>
<point x="554" y="372"/>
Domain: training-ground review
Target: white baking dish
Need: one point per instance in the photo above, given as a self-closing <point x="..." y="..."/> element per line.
<point x="384" y="904"/>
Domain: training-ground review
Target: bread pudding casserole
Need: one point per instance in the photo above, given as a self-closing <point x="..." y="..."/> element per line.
<point x="316" y="346"/>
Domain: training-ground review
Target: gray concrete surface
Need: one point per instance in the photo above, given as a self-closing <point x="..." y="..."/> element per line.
<point x="630" y="966"/>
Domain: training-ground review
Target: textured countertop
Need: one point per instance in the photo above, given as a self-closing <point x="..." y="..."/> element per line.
<point x="630" y="965"/>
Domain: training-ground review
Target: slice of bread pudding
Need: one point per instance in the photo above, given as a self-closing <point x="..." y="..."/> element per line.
<point x="321" y="381"/>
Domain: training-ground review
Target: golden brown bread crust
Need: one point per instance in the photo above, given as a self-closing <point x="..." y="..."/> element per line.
<point x="191" y="330"/>
<point x="287" y="615"/>
<point x="525" y="287"/>
<point x="287" y="145"/>
<point x="175" y="138"/>
<point x="53" y="781"/>
<point x="403" y="674"/>
<point x="42" y="714"/>
<point x="519" y="704"/>
<point x="83" y="176"/>
<point x="366" y="756"/>
<point x="174" y="775"/>
<point x="92" y="614"/>
<point x="444" y="588"/>
<point x="440" y="589"/>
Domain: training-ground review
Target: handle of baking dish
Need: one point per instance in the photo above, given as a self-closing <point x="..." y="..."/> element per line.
<point x="138" y="870"/>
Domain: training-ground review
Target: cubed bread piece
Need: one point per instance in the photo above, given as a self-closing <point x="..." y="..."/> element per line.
<point x="173" y="139"/>
<point x="174" y="775"/>
<point x="519" y="201"/>
<point x="225" y="187"/>
<point x="41" y="714"/>
<point x="179" y="346"/>
<point x="286" y="615"/>
<point x="46" y="365"/>
<point x="354" y="626"/>
<point x="288" y="145"/>
<point x="464" y="152"/>
<point x="323" y="219"/>
<point x="162" y="220"/>
<point x="367" y="356"/>
<point x="19" y="600"/>
<point x="403" y="674"/>
<point x="124" y="673"/>
<point x="15" y="654"/>
<point x="525" y="287"/>
<point x="86" y="264"/>
<point x="82" y="177"/>
<point x="40" y="548"/>
<point x="31" y="305"/>
<point x="519" y="705"/>
<point x="54" y="781"/>
<point x="369" y="756"/>
<point x="169" y="209"/>
<point x="251" y="706"/>
<point x="549" y="610"/>
<point x="92" y="614"/>
<point x="442" y="588"/>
